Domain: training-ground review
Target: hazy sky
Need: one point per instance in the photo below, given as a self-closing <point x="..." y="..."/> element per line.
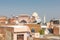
<point x="49" y="8"/>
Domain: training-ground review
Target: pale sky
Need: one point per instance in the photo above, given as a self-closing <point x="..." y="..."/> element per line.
<point x="49" y="8"/>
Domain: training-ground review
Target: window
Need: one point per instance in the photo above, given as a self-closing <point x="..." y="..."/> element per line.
<point x="56" y="22"/>
<point x="32" y="30"/>
<point x="23" y="21"/>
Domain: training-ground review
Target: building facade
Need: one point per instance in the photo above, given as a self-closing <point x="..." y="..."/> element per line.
<point x="19" y="28"/>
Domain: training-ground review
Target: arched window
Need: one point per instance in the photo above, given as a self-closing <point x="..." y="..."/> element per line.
<point x="32" y="30"/>
<point x="34" y="21"/>
<point x="23" y="21"/>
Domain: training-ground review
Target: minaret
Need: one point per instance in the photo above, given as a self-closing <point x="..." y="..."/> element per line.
<point x="44" y="19"/>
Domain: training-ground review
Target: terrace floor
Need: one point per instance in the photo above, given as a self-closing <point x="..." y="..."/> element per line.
<point x="48" y="37"/>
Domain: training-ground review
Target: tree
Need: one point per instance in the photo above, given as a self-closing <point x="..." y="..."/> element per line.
<point x="41" y="32"/>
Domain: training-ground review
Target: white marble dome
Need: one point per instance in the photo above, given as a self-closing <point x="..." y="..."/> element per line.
<point x="35" y="14"/>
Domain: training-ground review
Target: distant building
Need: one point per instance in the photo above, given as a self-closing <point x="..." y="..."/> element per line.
<point x="55" y="25"/>
<point x="3" y="19"/>
<point x="23" y="26"/>
<point x="19" y="28"/>
<point x="24" y="18"/>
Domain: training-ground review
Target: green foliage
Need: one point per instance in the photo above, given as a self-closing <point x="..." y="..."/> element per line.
<point x="41" y="32"/>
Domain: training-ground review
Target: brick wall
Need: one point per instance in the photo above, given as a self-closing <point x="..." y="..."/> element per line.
<point x="56" y="30"/>
<point x="4" y="33"/>
<point x="35" y="26"/>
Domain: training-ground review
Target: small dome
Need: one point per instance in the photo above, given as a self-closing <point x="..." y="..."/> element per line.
<point x="35" y="14"/>
<point x="3" y="17"/>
